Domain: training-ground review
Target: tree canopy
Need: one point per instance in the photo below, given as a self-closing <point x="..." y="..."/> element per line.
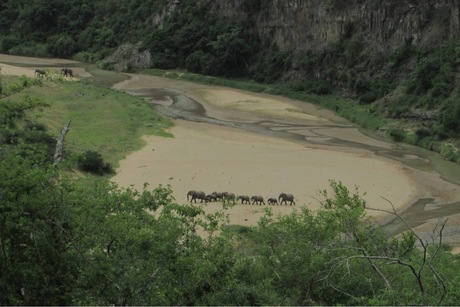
<point x="86" y="241"/>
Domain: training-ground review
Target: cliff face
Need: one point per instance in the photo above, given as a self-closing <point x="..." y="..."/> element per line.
<point x="302" y="25"/>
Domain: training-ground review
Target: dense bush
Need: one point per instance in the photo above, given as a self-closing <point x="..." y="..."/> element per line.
<point x="397" y="135"/>
<point x="92" y="161"/>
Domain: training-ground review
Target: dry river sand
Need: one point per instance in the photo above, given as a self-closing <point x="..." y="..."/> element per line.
<point x="208" y="157"/>
<point x="214" y="158"/>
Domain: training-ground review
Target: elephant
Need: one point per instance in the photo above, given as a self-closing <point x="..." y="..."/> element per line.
<point x="229" y="196"/>
<point x="218" y="195"/>
<point x="258" y="200"/>
<point x="272" y="201"/>
<point x="210" y="198"/>
<point x="40" y="73"/>
<point x="284" y="198"/>
<point x="194" y="195"/>
<point x="244" y="199"/>
<point x="67" y="72"/>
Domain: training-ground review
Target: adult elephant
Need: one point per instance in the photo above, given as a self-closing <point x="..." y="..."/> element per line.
<point x="226" y="196"/>
<point x="284" y="198"/>
<point x="258" y="200"/>
<point x="218" y="195"/>
<point x="244" y="199"/>
<point x="67" y="72"/>
<point x="194" y="195"/>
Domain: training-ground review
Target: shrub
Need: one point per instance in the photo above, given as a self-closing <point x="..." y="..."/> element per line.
<point x="422" y="133"/>
<point x="397" y="135"/>
<point x="32" y="126"/>
<point x="449" y="153"/>
<point x="368" y="97"/>
<point x="92" y="162"/>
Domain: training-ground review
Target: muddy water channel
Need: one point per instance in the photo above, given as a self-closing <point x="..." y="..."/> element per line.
<point x="174" y="104"/>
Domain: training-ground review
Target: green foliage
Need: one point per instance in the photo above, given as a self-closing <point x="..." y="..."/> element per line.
<point x="61" y="45"/>
<point x="397" y="135"/>
<point x="401" y="54"/>
<point x="106" y="121"/>
<point x="449" y="153"/>
<point x="315" y="86"/>
<point x="270" y="65"/>
<point x="19" y="84"/>
<point x="12" y="112"/>
<point x="368" y="97"/>
<point x="196" y="38"/>
<point x="70" y="242"/>
<point x="67" y="242"/>
<point x="200" y="62"/>
<point x="92" y="162"/>
<point x="450" y="116"/>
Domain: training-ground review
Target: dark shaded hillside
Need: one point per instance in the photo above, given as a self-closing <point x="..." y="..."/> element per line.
<point x="399" y="59"/>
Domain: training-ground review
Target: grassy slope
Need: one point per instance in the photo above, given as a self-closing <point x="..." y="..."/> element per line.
<point x="103" y="120"/>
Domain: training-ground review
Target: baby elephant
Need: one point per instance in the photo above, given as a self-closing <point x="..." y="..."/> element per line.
<point x="272" y="201"/>
<point x="40" y="73"/>
<point x="210" y="198"/>
<point x="258" y="200"/>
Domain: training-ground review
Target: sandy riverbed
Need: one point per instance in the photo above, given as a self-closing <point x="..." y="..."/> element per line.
<point x="214" y="158"/>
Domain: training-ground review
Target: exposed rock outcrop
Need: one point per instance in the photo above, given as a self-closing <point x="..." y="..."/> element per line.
<point x="128" y="56"/>
<point x="313" y="24"/>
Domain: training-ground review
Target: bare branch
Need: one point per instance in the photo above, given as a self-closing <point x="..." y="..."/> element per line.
<point x="438" y="277"/>
<point x="394" y="212"/>
<point x="341" y="291"/>
<point x="60" y="145"/>
<point x="376" y="269"/>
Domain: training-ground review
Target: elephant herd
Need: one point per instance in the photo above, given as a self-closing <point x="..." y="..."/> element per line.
<point x="244" y="199"/>
<point x="65" y="72"/>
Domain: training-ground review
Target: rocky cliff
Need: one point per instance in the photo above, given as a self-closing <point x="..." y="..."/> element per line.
<point x="302" y="25"/>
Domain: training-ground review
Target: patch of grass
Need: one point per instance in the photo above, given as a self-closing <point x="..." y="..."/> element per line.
<point x="102" y="120"/>
<point x="236" y="229"/>
<point x="104" y="77"/>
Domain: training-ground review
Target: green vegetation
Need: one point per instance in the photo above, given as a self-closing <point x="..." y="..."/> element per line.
<point x="408" y="88"/>
<point x="92" y="162"/>
<point x="105" y="121"/>
<point x="85" y="241"/>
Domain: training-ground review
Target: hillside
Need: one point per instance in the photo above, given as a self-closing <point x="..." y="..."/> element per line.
<point x="398" y="59"/>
